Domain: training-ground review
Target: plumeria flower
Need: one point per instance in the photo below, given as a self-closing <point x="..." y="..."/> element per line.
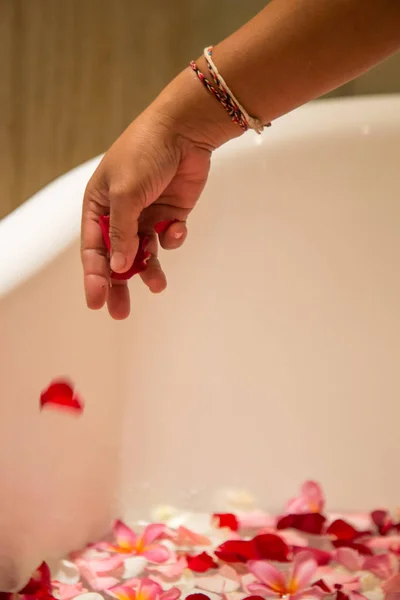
<point x="310" y="500"/>
<point x="294" y="584"/>
<point x="128" y="543"/>
<point x="145" y="590"/>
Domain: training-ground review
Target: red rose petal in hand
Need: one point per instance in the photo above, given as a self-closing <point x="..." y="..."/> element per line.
<point x="312" y="523"/>
<point x="141" y="258"/>
<point x="61" y="395"/>
<point x="226" y="520"/>
<point x="201" y="562"/>
<point x="163" y="226"/>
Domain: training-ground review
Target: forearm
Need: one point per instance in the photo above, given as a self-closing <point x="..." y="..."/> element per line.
<point x="296" y="50"/>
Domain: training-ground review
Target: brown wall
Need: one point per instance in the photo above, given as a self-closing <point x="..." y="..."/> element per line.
<point x="75" y="72"/>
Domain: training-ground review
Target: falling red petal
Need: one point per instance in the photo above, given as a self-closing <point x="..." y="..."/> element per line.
<point x="201" y="562"/>
<point x="226" y="520"/>
<point x="271" y="547"/>
<point x="198" y="597"/>
<point x="361" y="548"/>
<point x="61" y="394"/>
<point x="312" y="523"/>
<point x="322" y="557"/>
<point x="237" y="551"/>
<point x="253" y="598"/>
<point x="163" y="225"/>
<point x="141" y="258"/>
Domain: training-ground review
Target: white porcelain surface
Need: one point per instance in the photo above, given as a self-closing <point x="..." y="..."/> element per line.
<point x="272" y="357"/>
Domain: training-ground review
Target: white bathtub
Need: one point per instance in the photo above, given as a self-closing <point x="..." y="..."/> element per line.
<point x="272" y="357"/>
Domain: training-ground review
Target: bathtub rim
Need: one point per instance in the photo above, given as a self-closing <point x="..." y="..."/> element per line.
<point x="39" y="242"/>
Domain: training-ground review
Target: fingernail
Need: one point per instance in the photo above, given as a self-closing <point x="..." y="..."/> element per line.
<point x="118" y="262"/>
<point x="177" y="235"/>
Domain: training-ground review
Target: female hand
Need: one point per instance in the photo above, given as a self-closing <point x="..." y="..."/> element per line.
<point x="154" y="172"/>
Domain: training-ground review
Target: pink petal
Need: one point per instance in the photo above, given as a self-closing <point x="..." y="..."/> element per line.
<point x="304" y="568"/>
<point x="269" y="575"/>
<point x="152" y="533"/>
<point x="172" y="594"/>
<point x="106" y="565"/>
<point x="312" y="492"/>
<point x="390" y="542"/>
<point x="255" y="519"/>
<point x="383" y="566"/>
<point x="68" y="591"/>
<point x="349" y="558"/>
<point x="95" y="581"/>
<point x="320" y="556"/>
<point x="259" y="589"/>
<point x="186" y="537"/>
<point x="157" y="553"/>
<point x="392" y="586"/>
<point x="125" y="537"/>
<point x="60" y="394"/>
<point x="170" y="571"/>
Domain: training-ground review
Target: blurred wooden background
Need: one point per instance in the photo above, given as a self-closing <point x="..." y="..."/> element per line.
<point x="75" y="72"/>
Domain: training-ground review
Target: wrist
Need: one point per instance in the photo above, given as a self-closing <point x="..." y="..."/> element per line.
<point x="195" y="112"/>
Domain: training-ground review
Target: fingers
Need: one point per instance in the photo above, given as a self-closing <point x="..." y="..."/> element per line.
<point x="153" y="276"/>
<point x="124" y="215"/>
<point x="174" y="236"/>
<point x="93" y="251"/>
<point x="118" y="301"/>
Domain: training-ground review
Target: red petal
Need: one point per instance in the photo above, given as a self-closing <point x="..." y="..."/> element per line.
<point x="226" y="520"/>
<point x="361" y="548"/>
<point x="197" y="597"/>
<point x="163" y="225"/>
<point x="39" y="583"/>
<point x="141" y="258"/>
<point x="343" y="531"/>
<point x="61" y="394"/>
<point x="312" y="523"/>
<point x="271" y="547"/>
<point x="341" y="596"/>
<point x="321" y="584"/>
<point x="382" y="521"/>
<point x="253" y="598"/>
<point x="201" y="562"/>
<point x="236" y="551"/>
<point x="322" y="557"/>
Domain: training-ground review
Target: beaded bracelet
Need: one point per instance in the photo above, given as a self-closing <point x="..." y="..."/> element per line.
<point x="224" y="95"/>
